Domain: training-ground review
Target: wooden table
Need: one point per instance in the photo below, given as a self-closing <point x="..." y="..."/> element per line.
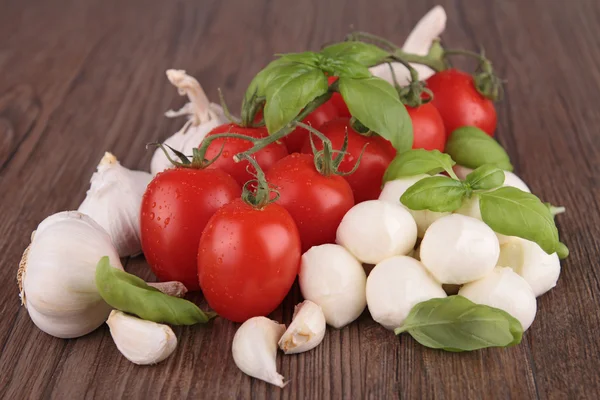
<point x="81" y="77"/>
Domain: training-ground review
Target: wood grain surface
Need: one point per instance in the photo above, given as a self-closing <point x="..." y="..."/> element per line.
<point x="79" y="77"/>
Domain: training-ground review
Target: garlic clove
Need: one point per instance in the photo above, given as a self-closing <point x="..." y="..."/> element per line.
<point x="306" y="331"/>
<point x="141" y="342"/>
<point x="114" y="201"/>
<point x="254" y="349"/>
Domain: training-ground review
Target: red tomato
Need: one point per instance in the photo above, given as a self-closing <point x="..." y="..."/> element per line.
<point x="316" y="202"/>
<point x="295" y="139"/>
<point x="338" y="101"/>
<point x="175" y="208"/>
<point x="265" y="157"/>
<point x="459" y="102"/>
<point x="428" y="127"/>
<point x="248" y="259"/>
<point x="366" y="180"/>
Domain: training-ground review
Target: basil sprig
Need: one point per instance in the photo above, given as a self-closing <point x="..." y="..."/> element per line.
<point x="457" y="324"/>
<point x="418" y="162"/>
<point x="436" y="193"/>
<point x="362" y="53"/>
<point x="485" y="177"/>
<point x="471" y="147"/>
<point x="131" y="294"/>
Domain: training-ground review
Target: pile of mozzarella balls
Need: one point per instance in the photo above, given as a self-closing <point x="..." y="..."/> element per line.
<point x="458" y="254"/>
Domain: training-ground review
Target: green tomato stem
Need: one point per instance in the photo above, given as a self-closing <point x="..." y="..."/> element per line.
<point x="261" y="195"/>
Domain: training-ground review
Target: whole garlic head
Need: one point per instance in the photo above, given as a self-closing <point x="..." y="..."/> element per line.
<point x="57" y="275"/>
<point x="114" y="201"/>
<point x="203" y="116"/>
<point x="141" y="342"/>
<point x="306" y="331"/>
<point x="254" y="349"/>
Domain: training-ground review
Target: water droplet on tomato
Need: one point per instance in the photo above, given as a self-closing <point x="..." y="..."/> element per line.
<point x="153" y="204"/>
<point x="151" y="216"/>
<point x="167" y="221"/>
<point x="158" y="219"/>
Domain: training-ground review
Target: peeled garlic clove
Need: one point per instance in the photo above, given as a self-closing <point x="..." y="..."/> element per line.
<point x="114" y="201"/>
<point x="306" y="331"/>
<point x="203" y="117"/>
<point x="141" y="342"/>
<point x="255" y="349"/>
<point x="57" y="275"/>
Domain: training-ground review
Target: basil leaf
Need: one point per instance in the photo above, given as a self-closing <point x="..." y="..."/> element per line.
<point x="455" y="323"/>
<point x="485" y="177"/>
<point x="471" y="147"/>
<point x="513" y="212"/>
<point x="308" y="58"/>
<point x="345" y="68"/>
<point x="375" y="103"/>
<point x="363" y="53"/>
<point x="290" y="91"/>
<point x="131" y="294"/>
<point x="258" y="83"/>
<point x="438" y="193"/>
<point x="562" y="251"/>
<point x="417" y="162"/>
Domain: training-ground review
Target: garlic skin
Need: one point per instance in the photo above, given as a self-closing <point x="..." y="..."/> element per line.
<point x="114" y="201"/>
<point x="254" y="349"/>
<point x="332" y="278"/>
<point x="393" y="190"/>
<point x="141" y="342"/>
<point x="57" y="275"/>
<point x="418" y="42"/>
<point x="203" y="117"/>
<point x="526" y="258"/>
<point x="504" y="289"/>
<point x="306" y="331"/>
<point x="171" y="288"/>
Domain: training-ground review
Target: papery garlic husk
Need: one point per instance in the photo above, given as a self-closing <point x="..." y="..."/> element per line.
<point x="419" y="41"/>
<point x="254" y="349"/>
<point x="203" y="116"/>
<point x="171" y="288"/>
<point x="57" y="274"/>
<point x="141" y="342"/>
<point x="306" y="331"/>
<point x="114" y="201"/>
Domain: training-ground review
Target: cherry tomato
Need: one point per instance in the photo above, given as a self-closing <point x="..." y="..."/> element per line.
<point x="175" y="208"/>
<point x="295" y="139"/>
<point x="316" y="202"/>
<point x="248" y="259"/>
<point x="232" y="146"/>
<point x="338" y="101"/>
<point x="428" y="127"/>
<point x="459" y="102"/>
<point x="366" y="180"/>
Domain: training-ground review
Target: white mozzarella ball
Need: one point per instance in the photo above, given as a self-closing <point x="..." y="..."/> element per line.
<point x="459" y="249"/>
<point x="461" y="171"/>
<point x="506" y="290"/>
<point x="397" y="284"/>
<point x="375" y="230"/>
<point x="393" y="190"/>
<point x="333" y="279"/>
<point x="540" y="269"/>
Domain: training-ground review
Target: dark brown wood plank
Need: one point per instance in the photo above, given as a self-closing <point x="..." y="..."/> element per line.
<point x="81" y="77"/>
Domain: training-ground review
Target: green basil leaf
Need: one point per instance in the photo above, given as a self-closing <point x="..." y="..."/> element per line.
<point x="513" y="212"/>
<point x="455" y="324"/>
<point x="375" y="103"/>
<point x="471" y="147"/>
<point x="485" y="177"/>
<point x="363" y="53"/>
<point x="308" y="58"/>
<point x="437" y="193"/>
<point x="258" y="84"/>
<point x="290" y="91"/>
<point x="562" y="251"/>
<point x="417" y="162"/>
<point x="345" y="68"/>
<point x="131" y="294"/>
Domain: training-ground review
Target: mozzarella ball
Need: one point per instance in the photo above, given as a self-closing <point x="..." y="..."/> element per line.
<point x="540" y="269"/>
<point x="375" y="230"/>
<point x="397" y="284"/>
<point x="461" y="171"/>
<point x="334" y="280"/>
<point x="393" y="190"/>
<point x="459" y="249"/>
<point x="506" y="290"/>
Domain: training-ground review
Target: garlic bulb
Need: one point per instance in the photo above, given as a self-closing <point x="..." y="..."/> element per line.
<point x="306" y="331"/>
<point x="57" y="275"/>
<point x="114" y="201"/>
<point x="255" y="349"/>
<point x="418" y="42"/>
<point x="141" y="342"/>
<point x="203" y="117"/>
